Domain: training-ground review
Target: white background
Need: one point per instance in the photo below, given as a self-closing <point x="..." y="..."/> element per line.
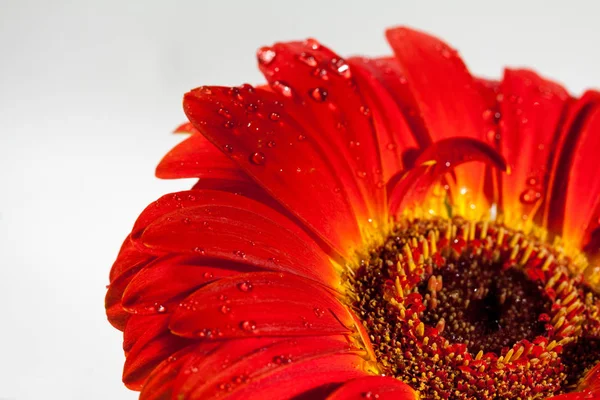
<point x="89" y="92"/>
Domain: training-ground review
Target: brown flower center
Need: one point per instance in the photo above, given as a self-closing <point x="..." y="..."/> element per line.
<point x="464" y="310"/>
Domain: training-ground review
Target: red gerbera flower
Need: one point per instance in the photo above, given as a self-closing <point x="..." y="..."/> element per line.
<point x="353" y="234"/>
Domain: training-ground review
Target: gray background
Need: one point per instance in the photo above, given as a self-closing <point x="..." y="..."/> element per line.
<point x="89" y="93"/>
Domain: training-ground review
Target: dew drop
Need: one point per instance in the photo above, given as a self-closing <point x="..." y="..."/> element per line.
<point x="274" y="116"/>
<point x="257" y="158"/>
<point x="318" y="312"/>
<point x="251" y="107"/>
<point x="307" y="59"/>
<point x="313" y="44"/>
<point x="199" y="250"/>
<point x="530" y="196"/>
<point x="532" y="181"/>
<point x="160" y="308"/>
<point x="224" y="112"/>
<point x="240" y="253"/>
<point x="265" y="55"/>
<point x="225" y="309"/>
<point x="392" y="146"/>
<point x="301" y="138"/>
<point x="228" y="124"/>
<point x="282" y="89"/>
<point x="361" y="174"/>
<point x="228" y="148"/>
<point x="248" y="326"/>
<point x="365" y="111"/>
<point x="318" y="94"/>
<point x="244" y="286"/>
<point x="282" y="359"/>
<point x="271" y="143"/>
<point x="342" y="68"/>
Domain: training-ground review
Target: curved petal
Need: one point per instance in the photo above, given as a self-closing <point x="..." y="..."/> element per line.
<point x="410" y="188"/>
<point x="117" y="316"/>
<point x="147" y="342"/>
<point x="374" y="387"/>
<point x="279" y="156"/>
<point x="255" y="368"/>
<point x="446" y="94"/>
<point x="531" y="111"/>
<point x="196" y="157"/>
<point x="163" y="283"/>
<point x="221" y="225"/>
<point x="582" y="202"/>
<point x="129" y="257"/>
<point x="387" y="72"/>
<point x="394" y="135"/>
<point x="261" y="304"/>
<point x="573" y="189"/>
<point x="323" y="90"/>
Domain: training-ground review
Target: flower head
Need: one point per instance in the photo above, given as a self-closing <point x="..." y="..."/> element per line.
<point x="381" y="228"/>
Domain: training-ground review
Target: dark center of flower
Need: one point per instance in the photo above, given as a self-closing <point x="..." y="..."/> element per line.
<point x="463" y="310"/>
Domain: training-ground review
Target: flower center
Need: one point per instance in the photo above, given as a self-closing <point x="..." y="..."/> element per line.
<point x="475" y="310"/>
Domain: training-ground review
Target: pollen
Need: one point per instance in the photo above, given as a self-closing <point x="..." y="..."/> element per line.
<point x="462" y="310"/>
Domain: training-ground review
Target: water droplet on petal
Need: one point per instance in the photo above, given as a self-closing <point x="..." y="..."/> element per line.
<point x="224" y="112"/>
<point x="313" y="44"/>
<point x="265" y="55"/>
<point x="274" y="116"/>
<point x="248" y="326"/>
<point x="228" y="124"/>
<point x="530" y="196"/>
<point x="228" y="148"/>
<point x="225" y="309"/>
<point x="365" y="111"/>
<point x="318" y="94"/>
<point x="271" y="143"/>
<point x="308" y="59"/>
<point x="240" y="253"/>
<point x="199" y="250"/>
<point x="257" y="158"/>
<point x="318" y="312"/>
<point x="282" y="89"/>
<point x="391" y="146"/>
<point x="244" y="286"/>
<point x="301" y="137"/>
<point x="341" y="68"/>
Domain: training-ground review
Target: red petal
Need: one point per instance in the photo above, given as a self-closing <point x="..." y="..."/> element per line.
<point x="388" y="73"/>
<point x="322" y="84"/>
<point x="278" y="155"/>
<point x="258" y="362"/>
<point x="159" y="385"/>
<point x="129" y="257"/>
<point x="169" y="279"/>
<point x="147" y="343"/>
<point x="575" y="192"/>
<point x="374" y="387"/>
<point x="532" y="110"/>
<point x="448" y="97"/>
<point x="117" y="316"/>
<point x="394" y="135"/>
<point x="196" y="157"/>
<point x="260" y="303"/>
<point x="228" y="227"/>
<point x="410" y="189"/>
